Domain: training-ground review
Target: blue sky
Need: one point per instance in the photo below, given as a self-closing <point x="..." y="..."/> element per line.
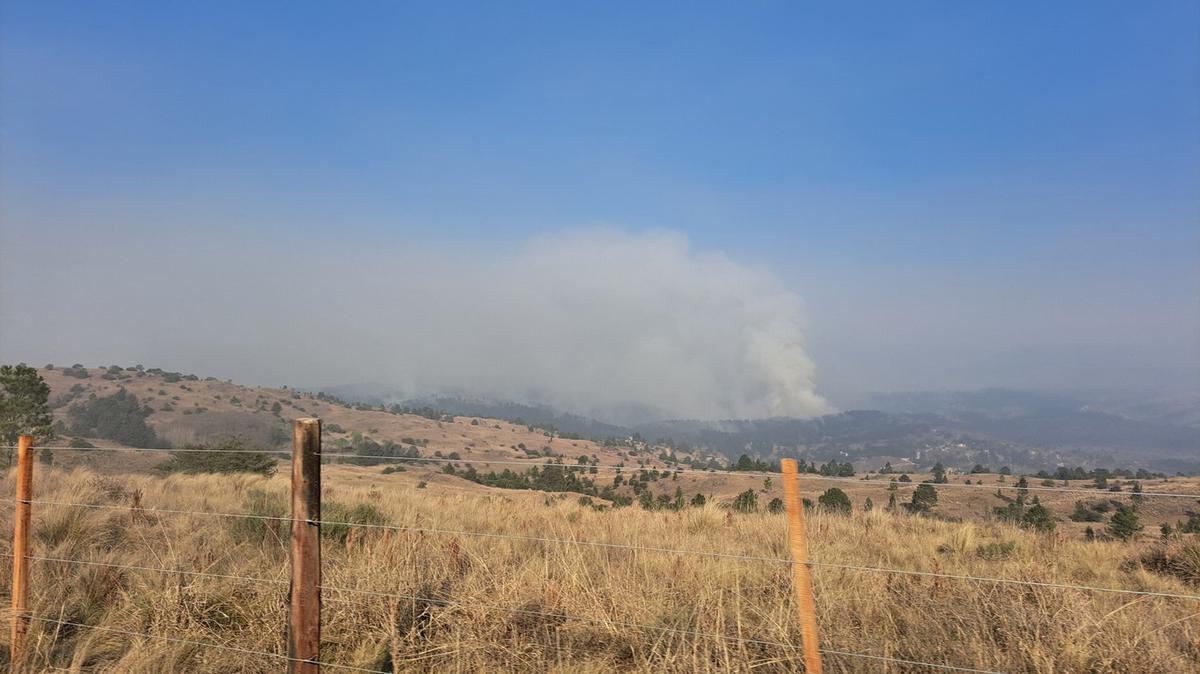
<point x="960" y="193"/>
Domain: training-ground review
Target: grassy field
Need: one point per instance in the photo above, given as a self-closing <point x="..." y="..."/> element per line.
<point x="435" y="601"/>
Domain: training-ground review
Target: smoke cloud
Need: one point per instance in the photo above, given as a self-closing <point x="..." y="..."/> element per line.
<point x="616" y="325"/>
<point x="613" y="324"/>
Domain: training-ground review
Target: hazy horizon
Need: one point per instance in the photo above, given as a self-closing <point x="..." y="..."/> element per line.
<point x="718" y="214"/>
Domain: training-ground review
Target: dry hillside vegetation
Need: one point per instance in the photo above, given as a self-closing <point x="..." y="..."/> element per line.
<point x="186" y="409"/>
<point x="412" y="600"/>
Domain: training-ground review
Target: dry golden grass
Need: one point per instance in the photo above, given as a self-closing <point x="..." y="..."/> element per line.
<point x="577" y="605"/>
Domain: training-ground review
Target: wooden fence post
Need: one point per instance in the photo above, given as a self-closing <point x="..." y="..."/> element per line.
<point x="802" y="577"/>
<point x="304" y="611"/>
<point x="20" y="570"/>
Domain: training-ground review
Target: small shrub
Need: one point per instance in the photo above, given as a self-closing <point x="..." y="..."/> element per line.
<point x="232" y="456"/>
<point x="338" y="519"/>
<point x="996" y="550"/>
<point x="834" y="500"/>
<point x="746" y="502"/>
<point x="1178" y="558"/>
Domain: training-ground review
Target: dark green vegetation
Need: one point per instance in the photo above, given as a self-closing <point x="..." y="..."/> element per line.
<point x="231" y="456"/>
<point x="118" y="417"/>
<point x="23" y="404"/>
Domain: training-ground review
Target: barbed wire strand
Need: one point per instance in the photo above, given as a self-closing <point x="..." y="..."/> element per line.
<point x="631" y="469"/>
<point x="544" y="614"/>
<point x="134" y="567"/>
<point x="675" y="630"/>
<point x="707" y="553"/>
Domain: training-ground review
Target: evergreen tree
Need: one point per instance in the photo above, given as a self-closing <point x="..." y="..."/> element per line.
<point x="1038" y="518"/>
<point x="118" y="417"/>
<point x="924" y="498"/>
<point x="1124" y="524"/>
<point x="746" y="502"/>
<point x="939" y="473"/>
<point x="24" y="409"/>
<point x="1137" y="496"/>
<point x="1022" y="490"/>
<point x="775" y="506"/>
<point x="646" y="500"/>
<point x="835" y="500"/>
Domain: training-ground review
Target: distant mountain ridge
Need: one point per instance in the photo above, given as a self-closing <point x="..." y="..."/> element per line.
<point x="1030" y="430"/>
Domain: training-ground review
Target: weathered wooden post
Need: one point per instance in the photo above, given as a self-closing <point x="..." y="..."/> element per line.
<point x="304" y="612"/>
<point x="802" y="578"/>
<point x="20" y="570"/>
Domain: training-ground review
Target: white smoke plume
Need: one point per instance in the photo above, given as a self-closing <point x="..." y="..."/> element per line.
<point x="600" y="322"/>
<point x="621" y="326"/>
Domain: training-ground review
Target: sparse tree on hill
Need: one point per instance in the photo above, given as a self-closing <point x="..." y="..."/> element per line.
<point x="834" y="500"/>
<point x="1124" y="524"/>
<point x="939" y="473"/>
<point x="24" y="409"/>
<point x="746" y="502"/>
<point x="924" y="499"/>
<point x="1038" y="518"/>
<point x="1137" y="496"/>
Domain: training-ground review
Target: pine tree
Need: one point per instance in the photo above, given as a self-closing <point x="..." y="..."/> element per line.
<point x="746" y="502"/>
<point x="23" y="406"/>
<point x="835" y="500"/>
<point x="939" y="473"/>
<point x="1124" y="524"/>
<point x="1038" y="518"/>
<point x="924" y="498"/>
<point x="1137" y="496"/>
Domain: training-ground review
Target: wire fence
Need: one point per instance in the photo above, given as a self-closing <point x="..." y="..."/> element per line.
<point x="570" y="542"/>
<point x="880" y="479"/>
<point x="625" y="546"/>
